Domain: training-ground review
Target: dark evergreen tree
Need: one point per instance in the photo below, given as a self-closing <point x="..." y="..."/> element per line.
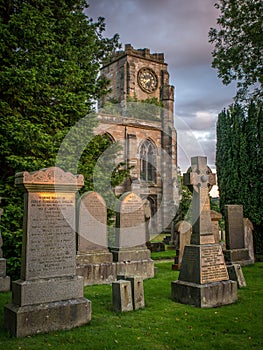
<point x="237" y="55"/>
<point x="254" y="200"/>
<point x="239" y="158"/>
<point x="50" y="55"/>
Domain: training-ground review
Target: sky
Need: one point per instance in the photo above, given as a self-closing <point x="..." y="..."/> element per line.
<point x="179" y="29"/>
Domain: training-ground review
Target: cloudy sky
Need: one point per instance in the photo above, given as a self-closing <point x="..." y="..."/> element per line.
<point x="179" y="28"/>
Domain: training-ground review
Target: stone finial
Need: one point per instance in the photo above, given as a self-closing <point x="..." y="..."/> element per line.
<point x="49" y="178"/>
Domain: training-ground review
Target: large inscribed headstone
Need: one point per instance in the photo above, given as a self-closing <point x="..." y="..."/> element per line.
<point x="94" y="261"/>
<point x="92" y="229"/>
<point x="236" y="252"/>
<point x="130" y="251"/>
<point x="49" y="295"/>
<point x="203" y="279"/>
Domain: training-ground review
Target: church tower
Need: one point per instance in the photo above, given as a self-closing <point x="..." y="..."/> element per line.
<point x="144" y="126"/>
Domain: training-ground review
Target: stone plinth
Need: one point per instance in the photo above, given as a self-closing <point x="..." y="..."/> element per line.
<point x="34" y="319"/>
<point x="137" y="292"/>
<point x="122" y="296"/>
<point x="203" y="279"/>
<point x="236" y="252"/>
<point x="49" y="295"/>
<point x="205" y="296"/>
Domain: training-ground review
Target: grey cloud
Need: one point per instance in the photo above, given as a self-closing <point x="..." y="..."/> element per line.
<point x="179" y="28"/>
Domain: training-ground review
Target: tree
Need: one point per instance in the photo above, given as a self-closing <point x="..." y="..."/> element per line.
<point x="50" y="55"/>
<point x="239" y="162"/>
<point x="238" y="49"/>
<point x="228" y="156"/>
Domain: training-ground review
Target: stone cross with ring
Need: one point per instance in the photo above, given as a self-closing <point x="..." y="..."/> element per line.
<point x="200" y="180"/>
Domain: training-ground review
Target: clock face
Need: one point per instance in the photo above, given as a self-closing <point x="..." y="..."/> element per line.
<point x="147" y="80"/>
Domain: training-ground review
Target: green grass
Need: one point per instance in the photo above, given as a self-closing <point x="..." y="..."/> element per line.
<point x="159" y="237"/>
<point x="163" y="324"/>
<point x="167" y="254"/>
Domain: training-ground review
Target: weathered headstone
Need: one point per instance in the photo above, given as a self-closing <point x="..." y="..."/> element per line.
<point x="130" y="251"/>
<point x="49" y="295"/>
<point x="4" y="279"/>
<point x="235" y="252"/>
<point x="94" y="261"/>
<point x="172" y="244"/>
<point x="236" y="274"/>
<point x="215" y="217"/>
<point x="184" y="231"/>
<point x="203" y="279"/>
<point x="137" y="292"/>
<point x="248" y="231"/>
<point x="122" y="296"/>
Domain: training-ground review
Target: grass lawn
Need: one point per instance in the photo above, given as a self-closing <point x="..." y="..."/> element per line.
<point x="163" y="324"/>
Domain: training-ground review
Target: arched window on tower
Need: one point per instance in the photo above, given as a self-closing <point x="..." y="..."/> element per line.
<point x="148" y="155"/>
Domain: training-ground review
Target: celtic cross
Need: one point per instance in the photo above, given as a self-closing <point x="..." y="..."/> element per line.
<point x="200" y="180"/>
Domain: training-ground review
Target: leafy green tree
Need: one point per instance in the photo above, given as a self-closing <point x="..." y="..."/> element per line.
<point x="50" y="55"/>
<point x="184" y="211"/>
<point x="238" y="49"/>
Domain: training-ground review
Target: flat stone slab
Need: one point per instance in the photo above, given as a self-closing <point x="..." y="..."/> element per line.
<point x="127" y="255"/>
<point x="142" y="268"/>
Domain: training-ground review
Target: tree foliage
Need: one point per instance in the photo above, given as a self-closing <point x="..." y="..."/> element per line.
<point x="50" y="55"/>
<point x="239" y="162"/>
<point x="238" y="49"/>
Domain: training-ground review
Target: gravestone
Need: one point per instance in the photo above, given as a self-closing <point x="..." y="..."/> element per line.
<point x="4" y="279"/>
<point x="236" y="274"/>
<point x="173" y="237"/>
<point x="49" y="295"/>
<point x="122" y="296"/>
<point x="184" y="231"/>
<point x="94" y="261"/>
<point x="130" y="251"/>
<point x="248" y="232"/>
<point x="137" y="292"/>
<point x="203" y="279"/>
<point x="236" y="252"/>
<point x="215" y="217"/>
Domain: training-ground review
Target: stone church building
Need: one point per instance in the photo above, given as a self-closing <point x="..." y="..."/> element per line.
<point x="141" y="119"/>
